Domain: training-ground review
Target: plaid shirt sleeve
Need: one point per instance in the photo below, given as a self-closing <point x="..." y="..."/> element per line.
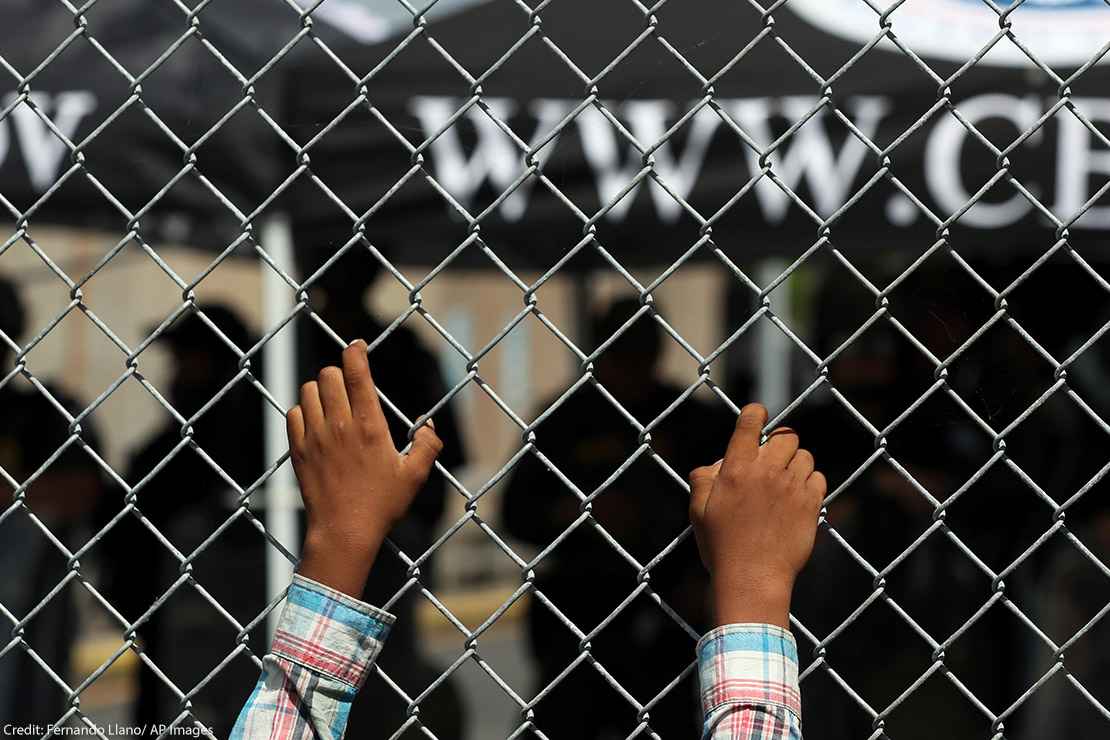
<point x="749" y="683"/>
<point x="323" y="649"/>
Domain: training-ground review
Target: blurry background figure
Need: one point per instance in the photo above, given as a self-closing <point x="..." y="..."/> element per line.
<point x="186" y="499"/>
<point x="882" y="513"/>
<point x="644" y="509"/>
<point x="31" y="431"/>
<point x="408" y="374"/>
<point x="1070" y="594"/>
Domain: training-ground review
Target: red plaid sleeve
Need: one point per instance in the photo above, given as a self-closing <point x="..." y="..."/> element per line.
<point x="749" y="683"/>
<point x="324" y="646"/>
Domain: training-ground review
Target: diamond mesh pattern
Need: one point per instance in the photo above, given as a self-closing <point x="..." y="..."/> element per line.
<point x="653" y="31"/>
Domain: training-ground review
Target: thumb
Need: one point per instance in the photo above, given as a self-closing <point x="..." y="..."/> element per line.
<point x="426" y="446"/>
<point x="701" y="484"/>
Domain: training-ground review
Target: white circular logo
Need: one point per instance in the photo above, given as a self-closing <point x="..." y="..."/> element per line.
<point x="1066" y="33"/>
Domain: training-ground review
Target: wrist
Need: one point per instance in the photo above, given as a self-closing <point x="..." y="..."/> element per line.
<point x="342" y="562"/>
<point x="751" y="601"/>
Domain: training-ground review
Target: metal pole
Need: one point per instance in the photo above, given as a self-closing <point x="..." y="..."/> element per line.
<point x="773" y="349"/>
<point x="581" y="294"/>
<point x="279" y="371"/>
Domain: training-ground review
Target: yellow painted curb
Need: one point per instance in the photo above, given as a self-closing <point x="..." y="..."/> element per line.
<point x="472" y="607"/>
<point x="92" y="652"/>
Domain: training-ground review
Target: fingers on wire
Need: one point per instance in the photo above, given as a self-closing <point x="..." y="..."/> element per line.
<point x="312" y="408"/>
<point x="782" y="445"/>
<point x="744" y="444"/>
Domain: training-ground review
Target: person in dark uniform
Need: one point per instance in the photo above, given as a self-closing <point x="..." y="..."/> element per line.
<point x="63" y="494"/>
<point x="882" y="513"/>
<point x="408" y="373"/>
<point x="588" y="439"/>
<point x="183" y="496"/>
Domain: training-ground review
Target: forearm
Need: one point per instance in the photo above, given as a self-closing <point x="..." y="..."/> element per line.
<point x="743" y="598"/>
<point x="355" y="486"/>
<point x="755" y="515"/>
<point x="340" y="561"/>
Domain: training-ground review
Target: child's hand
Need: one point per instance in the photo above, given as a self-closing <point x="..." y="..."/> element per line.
<point x="355" y="484"/>
<point x="755" y="518"/>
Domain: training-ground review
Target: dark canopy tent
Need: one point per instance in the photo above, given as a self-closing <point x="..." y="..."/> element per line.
<point x="362" y="149"/>
<point x="156" y="105"/>
<point x="132" y="155"/>
<point x="417" y="92"/>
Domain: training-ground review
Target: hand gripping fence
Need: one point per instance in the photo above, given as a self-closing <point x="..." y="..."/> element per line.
<point x="654" y="31"/>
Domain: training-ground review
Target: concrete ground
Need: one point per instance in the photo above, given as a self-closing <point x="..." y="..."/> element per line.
<point x="490" y="712"/>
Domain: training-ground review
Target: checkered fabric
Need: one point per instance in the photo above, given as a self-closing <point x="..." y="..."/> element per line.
<point x="326" y="642"/>
<point x="749" y="683"/>
<point x="323" y="648"/>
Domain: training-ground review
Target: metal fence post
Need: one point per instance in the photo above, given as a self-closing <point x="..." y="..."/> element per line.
<point x="282" y="500"/>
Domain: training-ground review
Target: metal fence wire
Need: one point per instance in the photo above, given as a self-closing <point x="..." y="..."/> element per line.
<point x="654" y="31"/>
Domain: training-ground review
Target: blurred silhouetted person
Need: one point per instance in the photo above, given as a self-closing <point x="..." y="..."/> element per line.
<point x="62" y="495"/>
<point x="1070" y="593"/>
<point x="885" y="513"/>
<point x="644" y="509"/>
<point x="1071" y="597"/>
<point x="183" y="490"/>
<point x="408" y="373"/>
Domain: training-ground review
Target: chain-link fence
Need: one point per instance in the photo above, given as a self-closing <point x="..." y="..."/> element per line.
<point x="984" y="581"/>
